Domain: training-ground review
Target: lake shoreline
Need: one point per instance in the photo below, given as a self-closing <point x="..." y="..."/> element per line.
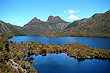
<point x="78" y="58"/>
<point x="75" y="36"/>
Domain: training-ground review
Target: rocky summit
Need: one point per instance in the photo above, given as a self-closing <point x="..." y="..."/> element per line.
<point x="38" y="27"/>
<point x="56" y="19"/>
<point x="35" y="20"/>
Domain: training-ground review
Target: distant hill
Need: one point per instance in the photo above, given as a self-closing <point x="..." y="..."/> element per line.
<point x="38" y="27"/>
<point x="8" y="30"/>
<point x="96" y="26"/>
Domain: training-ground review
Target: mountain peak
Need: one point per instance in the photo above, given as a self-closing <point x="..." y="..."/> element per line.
<point x="35" y="20"/>
<point x="108" y="11"/>
<point x="52" y="19"/>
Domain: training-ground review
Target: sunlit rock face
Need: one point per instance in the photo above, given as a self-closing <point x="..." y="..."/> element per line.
<point x="56" y="19"/>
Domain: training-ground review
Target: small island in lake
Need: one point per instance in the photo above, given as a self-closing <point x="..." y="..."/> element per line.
<point x="12" y="54"/>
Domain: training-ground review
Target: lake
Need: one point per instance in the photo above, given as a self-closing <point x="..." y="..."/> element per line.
<point x="102" y="43"/>
<point x="61" y="63"/>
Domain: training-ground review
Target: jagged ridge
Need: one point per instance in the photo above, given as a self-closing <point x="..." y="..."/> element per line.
<point x="38" y="27"/>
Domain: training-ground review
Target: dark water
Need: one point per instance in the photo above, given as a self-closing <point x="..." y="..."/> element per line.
<point x="102" y="43"/>
<point x="61" y="63"/>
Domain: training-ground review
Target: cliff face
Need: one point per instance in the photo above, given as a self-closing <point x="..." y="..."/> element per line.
<point x="56" y="19"/>
<point x="96" y="26"/>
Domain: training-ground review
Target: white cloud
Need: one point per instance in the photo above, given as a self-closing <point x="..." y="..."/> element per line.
<point x="71" y="11"/>
<point x="73" y="17"/>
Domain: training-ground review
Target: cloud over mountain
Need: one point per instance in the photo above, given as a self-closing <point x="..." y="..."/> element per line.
<point x="73" y="17"/>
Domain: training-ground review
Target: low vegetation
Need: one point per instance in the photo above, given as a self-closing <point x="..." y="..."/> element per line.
<point x="12" y="54"/>
<point x="11" y="59"/>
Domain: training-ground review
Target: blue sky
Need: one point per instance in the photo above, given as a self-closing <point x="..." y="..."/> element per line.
<point x="20" y="12"/>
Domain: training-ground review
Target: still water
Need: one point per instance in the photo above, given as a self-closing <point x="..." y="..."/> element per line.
<point x="102" y="43"/>
<point x="61" y="63"/>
